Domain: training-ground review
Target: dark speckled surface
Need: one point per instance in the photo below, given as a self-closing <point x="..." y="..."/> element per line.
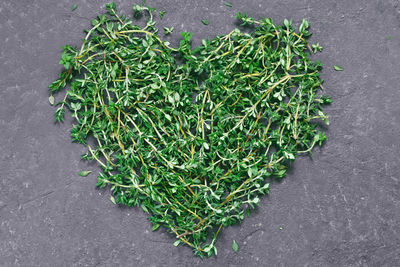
<point x="339" y="208"/>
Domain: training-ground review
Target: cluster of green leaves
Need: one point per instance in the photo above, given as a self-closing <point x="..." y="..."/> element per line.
<point x="194" y="144"/>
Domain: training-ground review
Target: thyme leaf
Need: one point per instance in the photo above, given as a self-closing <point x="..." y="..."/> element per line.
<point x="337" y="68"/>
<point x="204" y="21"/>
<point x="235" y="246"/>
<point x="84" y="173"/>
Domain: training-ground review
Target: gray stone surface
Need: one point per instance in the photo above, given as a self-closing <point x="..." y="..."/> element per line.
<point x="339" y="208"/>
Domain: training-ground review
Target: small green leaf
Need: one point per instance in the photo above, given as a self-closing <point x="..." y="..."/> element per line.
<point x="326" y="99"/>
<point x="155" y="227"/>
<point x="51" y="100"/>
<point x="168" y="30"/>
<point x="304" y="26"/>
<point x="144" y="208"/>
<point x="162" y="13"/>
<point x="113" y="200"/>
<point x="228" y="4"/>
<point x="256" y="200"/>
<point x="177" y="242"/>
<point x="253" y="171"/>
<point x="171" y="99"/>
<point x="316" y="48"/>
<point x="84" y="173"/>
<point x="248" y="212"/>
<point x="177" y="97"/>
<point x="235" y="246"/>
<point x="281" y="228"/>
<point x="94" y="22"/>
<point x="205" y="22"/>
<point x="249" y="172"/>
<point x="74" y="7"/>
<point x="337" y="68"/>
<point x="206" y="146"/>
<point x="289" y="155"/>
<point x="389" y="37"/>
<point x="208" y="248"/>
<point x="286" y="23"/>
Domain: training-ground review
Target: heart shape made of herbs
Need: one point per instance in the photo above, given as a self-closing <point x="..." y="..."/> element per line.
<point x="193" y="144"/>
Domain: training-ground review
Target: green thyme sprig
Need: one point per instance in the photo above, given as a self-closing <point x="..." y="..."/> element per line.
<point x="193" y="144"/>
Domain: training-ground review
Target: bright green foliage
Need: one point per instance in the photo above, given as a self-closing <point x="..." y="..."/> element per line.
<point x="205" y="22"/>
<point x="193" y="144"/>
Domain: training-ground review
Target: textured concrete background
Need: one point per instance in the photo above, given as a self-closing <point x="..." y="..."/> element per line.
<point x="341" y="208"/>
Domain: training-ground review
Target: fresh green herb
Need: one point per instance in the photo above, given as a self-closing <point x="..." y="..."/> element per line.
<point x="228" y="4"/>
<point x="235" y="246"/>
<point x="194" y="144"/>
<point x="316" y="48"/>
<point x="162" y="13"/>
<point x="281" y="228"/>
<point x="84" y="173"/>
<point x="74" y="7"/>
<point x="337" y="68"/>
<point x="168" y="30"/>
<point x="245" y="19"/>
<point x="205" y="22"/>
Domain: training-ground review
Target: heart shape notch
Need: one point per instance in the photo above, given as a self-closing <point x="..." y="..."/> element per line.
<point x="194" y="144"/>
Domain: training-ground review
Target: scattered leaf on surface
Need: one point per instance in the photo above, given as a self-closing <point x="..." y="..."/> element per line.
<point x="51" y="100"/>
<point x="337" y="68"/>
<point x="235" y="246"/>
<point x="205" y="22"/>
<point x="84" y="173"/>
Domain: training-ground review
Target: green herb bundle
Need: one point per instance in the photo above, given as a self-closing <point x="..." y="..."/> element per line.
<point x="195" y="143"/>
